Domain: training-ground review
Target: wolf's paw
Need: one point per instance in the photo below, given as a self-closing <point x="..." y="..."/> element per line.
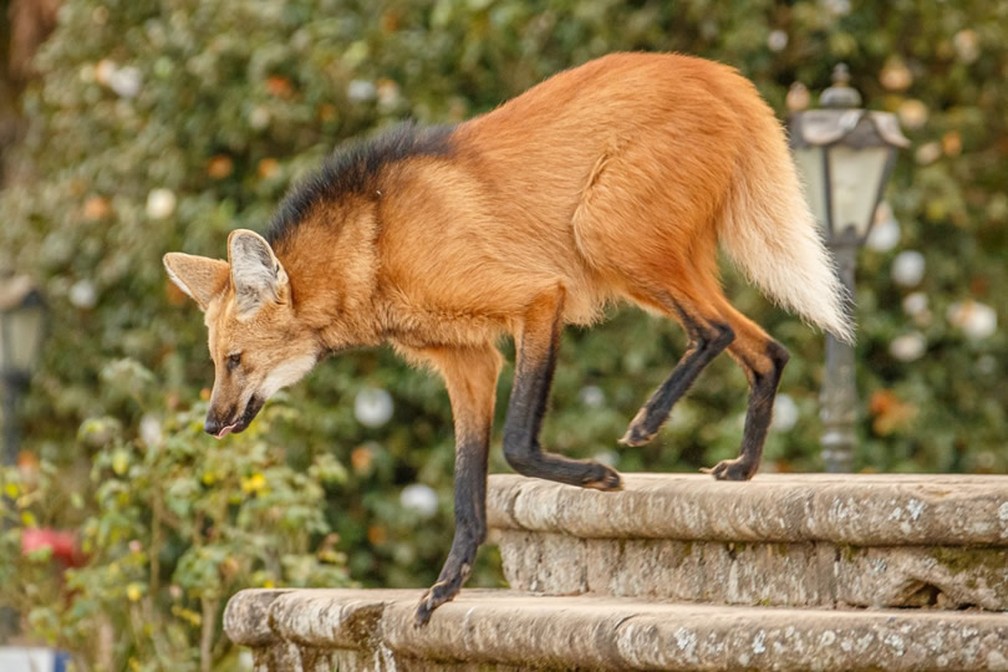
<point x="738" y="469"/>
<point x="430" y="601"/>
<point x="638" y="433"/>
<point x="443" y="591"/>
<point x="602" y="477"/>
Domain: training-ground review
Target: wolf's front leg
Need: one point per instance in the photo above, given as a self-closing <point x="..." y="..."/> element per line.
<point x="470" y="375"/>
<point x="470" y="531"/>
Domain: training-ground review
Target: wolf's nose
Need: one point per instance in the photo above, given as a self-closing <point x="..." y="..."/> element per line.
<point x="218" y="425"/>
<point x="212" y="426"/>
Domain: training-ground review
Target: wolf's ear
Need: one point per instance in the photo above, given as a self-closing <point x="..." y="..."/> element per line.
<point x="199" y="277"/>
<point x="256" y="273"/>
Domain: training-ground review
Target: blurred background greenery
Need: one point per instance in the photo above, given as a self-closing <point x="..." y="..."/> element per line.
<point x="144" y="126"/>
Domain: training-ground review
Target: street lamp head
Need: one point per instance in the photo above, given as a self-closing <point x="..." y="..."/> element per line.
<point x="841" y="95"/>
<point x="22" y="321"/>
<point x="844" y="154"/>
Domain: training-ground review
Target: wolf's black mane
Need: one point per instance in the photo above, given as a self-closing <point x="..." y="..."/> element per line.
<point x="353" y="170"/>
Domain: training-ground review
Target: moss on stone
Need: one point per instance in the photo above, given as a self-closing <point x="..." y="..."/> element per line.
<point x="990" y="564"/>
<point x="849" y="553"/>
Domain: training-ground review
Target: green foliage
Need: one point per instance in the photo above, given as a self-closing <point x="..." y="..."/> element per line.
<point x="174" y="530"/>
<point x="161" y="125"/>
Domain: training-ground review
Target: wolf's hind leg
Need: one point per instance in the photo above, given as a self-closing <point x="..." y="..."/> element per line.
<point x="535" y="360"/>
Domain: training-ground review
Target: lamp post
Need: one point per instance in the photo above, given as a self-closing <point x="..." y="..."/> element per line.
<point x="22" y="321"/>
<point x="22" y="316"/>
<point x="844" y="154"/>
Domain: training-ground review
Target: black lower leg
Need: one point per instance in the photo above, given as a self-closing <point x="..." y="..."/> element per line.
<point x="470" y="526"/>
<point x="763" y="391"/>
<point x="706" y="342"/>
<point x="526" y="407"/>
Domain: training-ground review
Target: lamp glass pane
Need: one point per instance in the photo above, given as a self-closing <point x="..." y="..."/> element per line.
<point x="20" y="336"/>
<point x="809" y="162"/>
<point x="857" y="177"/>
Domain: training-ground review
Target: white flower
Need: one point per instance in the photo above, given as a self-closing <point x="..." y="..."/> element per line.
<point x="592" y="396"/>
<point x="915" y="303"/>
<point x="125" y="81"/>
<point x="150" y="430"/>
<point x="259" y="118"/>
<point x="908" y="268"/>
<point x="361" y="90"/>
<point x="837" y="7"/>
<point x="977" y="320"/>
<point x="777" y="40"/>
<point x="785" y="413"/>
<point x="913" y="114"/>
<point x="83" y="294"/>
<point x="908" y="347"/>
<point x="160" y="203"/>
<point x="885" y="234"/>
<point x="967" y="45"/>
<point x="373" y="407"/>
<point x="420" y="499"/>
<point x="927" y="153"/>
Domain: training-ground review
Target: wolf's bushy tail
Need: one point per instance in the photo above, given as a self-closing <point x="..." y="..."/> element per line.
<point x="771" y="235"/>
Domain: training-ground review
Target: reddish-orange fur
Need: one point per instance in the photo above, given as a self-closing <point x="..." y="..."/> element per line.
<point x="613" y="181"/>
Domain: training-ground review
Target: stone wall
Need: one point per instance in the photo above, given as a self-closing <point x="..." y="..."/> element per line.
<point x="806" y="541"/>
<point x="687" y="573"/>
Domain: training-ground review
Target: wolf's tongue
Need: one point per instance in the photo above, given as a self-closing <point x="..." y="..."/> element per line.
<point x="225" y="431"/>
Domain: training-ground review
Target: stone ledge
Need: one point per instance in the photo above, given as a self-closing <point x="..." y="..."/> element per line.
<point x="861" y="510"/>
<point x="798" y="541"/>
<point x="742" y="573"/>
<point x="484" y="629"/>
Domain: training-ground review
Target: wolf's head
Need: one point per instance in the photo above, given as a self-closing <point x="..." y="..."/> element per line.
<point x="256" y="341"/>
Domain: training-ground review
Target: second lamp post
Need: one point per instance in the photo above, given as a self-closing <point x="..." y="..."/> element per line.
<point x="844" y="154"/>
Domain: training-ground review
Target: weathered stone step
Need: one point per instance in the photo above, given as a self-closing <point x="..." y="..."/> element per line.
<point x="352" y="630"/>
<point x="790" y="540"/>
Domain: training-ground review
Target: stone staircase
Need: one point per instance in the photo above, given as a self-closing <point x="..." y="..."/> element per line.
<point x="681" y="572"/>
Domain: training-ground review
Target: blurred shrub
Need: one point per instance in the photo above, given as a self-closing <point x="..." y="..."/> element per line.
<point x="174" y="529"/>
<point x="162" y="125"/>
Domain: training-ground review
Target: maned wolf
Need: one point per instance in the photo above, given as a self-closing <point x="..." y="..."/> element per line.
<point x="612" y="181"/>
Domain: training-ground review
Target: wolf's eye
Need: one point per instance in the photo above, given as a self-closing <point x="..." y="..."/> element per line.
<point x="234" y="361"/>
